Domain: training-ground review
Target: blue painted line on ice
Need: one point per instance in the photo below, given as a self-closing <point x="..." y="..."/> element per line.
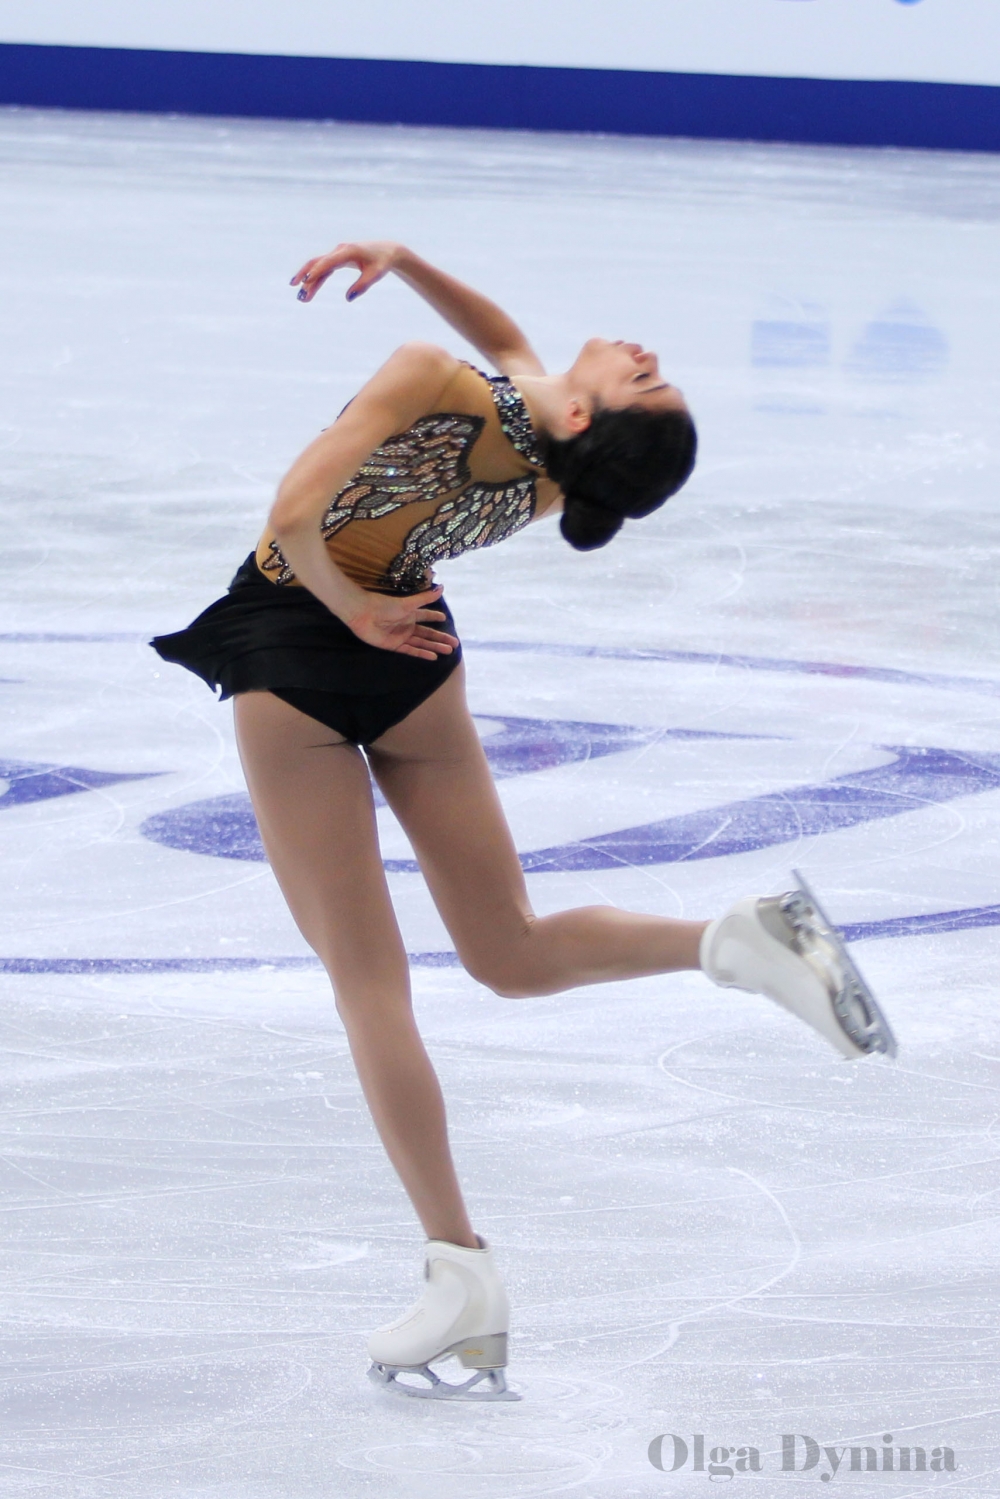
<point x="858" y="112"/>
<point x="75" y="637"/>
<point x="860" y="931"/>
<point x="986" y="686"/>
<point x="192" y="965"/>
<point x="923" y="926"/>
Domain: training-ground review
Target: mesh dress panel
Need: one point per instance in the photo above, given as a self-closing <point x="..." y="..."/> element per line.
<point x="429" y="459"/>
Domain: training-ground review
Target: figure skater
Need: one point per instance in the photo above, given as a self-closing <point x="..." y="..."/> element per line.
<point x="344" y="663"/>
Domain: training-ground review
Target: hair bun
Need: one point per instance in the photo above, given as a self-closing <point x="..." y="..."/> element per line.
<point x="586" y="524"/>
<point x="624" y="464"/>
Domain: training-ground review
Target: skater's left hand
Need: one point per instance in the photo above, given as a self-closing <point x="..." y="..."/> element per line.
<point x="403" y="624"/>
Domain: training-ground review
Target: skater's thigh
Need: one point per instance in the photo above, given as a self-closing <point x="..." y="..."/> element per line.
<point x="435" y="776"/>
<point x="312" y="796"/>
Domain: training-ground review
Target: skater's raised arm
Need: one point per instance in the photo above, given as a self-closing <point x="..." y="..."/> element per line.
<point x="486" y="326"/>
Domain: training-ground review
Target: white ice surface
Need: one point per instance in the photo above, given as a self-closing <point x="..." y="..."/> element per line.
<point x="707" y="1222"/>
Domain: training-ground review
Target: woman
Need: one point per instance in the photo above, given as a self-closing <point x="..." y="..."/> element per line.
<point x="343" y="660"/>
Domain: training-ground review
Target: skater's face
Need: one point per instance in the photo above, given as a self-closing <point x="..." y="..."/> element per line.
<point x="615" y="374"/>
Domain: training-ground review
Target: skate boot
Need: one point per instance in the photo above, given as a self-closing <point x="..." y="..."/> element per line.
<point x="785" y="947"/>
<point x="462" y="1313"/>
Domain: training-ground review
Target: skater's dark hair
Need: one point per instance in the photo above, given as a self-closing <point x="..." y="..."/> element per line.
<point x="623" y="466"/>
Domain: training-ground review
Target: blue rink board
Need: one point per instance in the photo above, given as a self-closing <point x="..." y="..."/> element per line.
<point x="852" y="112"/>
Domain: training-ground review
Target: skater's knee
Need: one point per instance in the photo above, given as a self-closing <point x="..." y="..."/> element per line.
<point x="512" y="985"/>
<point x="510" y="971"/>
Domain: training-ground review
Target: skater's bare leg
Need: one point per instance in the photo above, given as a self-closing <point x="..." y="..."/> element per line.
<point x="435" y="777"/>
<point x="312" y="795"/>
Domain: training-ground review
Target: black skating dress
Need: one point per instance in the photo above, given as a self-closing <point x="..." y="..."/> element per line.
<point x="465" y="475"/>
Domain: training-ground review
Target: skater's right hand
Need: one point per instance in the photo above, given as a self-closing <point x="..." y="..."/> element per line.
<point x="373" y="258"/>
<point x="403" y="624"/>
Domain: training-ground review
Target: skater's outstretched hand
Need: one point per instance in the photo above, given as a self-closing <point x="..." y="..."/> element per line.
<point x="373" y="258"/>
<point x="403" y="625"/>
<point x="475" y="317"/>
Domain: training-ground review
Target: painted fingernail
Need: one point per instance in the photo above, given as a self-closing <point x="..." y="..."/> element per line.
<point x="302" y="294"/>
<point x="351" y="295"/>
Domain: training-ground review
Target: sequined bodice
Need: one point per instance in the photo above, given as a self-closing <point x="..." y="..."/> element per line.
<point x="430" y="472"/>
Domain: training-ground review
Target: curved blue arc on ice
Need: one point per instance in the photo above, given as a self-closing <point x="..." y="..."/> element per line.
<point x="523" y="745"/>
<point x="914" y="779"/>
<point x="225" y="827"/>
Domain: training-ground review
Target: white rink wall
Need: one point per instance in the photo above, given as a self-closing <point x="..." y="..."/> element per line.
<point x="942" y="41"/>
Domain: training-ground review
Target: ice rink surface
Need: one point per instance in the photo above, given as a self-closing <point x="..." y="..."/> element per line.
<point x="709" y="1224"/>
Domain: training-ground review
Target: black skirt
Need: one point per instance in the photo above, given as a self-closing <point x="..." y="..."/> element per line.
<point x="260" y="636"/>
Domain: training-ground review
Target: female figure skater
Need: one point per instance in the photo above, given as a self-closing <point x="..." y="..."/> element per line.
<point x="344" y="663"/>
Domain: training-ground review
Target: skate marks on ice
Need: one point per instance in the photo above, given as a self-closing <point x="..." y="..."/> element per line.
<point x="674" y="1328"/>
<point x="156" y="1136"/>
<point x="913" y="778"/>
<point x="224" y="827"/>
<point x="193" y="1194"/>
<point x="561" y="1436"/>
<point x="196" y="1400"/>
<point x="181" y="1236"/>
<point x="693" y="764"/>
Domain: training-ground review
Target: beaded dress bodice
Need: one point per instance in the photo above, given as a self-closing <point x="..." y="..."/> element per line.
<point x="461" y="477"/>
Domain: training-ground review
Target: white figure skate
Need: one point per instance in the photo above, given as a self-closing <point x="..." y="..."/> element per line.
<point x="462" y="1313"/>
<point x="785" y="947"/>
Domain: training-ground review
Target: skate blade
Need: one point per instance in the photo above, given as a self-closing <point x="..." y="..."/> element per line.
<point x="857" y="1010"/>
<point x="483" y="1385"/>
